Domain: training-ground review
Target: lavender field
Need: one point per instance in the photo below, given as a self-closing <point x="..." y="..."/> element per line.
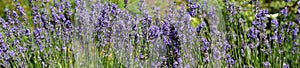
<point x="149" y="33"/>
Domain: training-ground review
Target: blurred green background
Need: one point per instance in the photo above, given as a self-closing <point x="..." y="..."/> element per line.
<point x="132" y="4"/>
<point x="274" y="6"/>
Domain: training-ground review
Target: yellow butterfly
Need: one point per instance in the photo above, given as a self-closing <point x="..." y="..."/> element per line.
<point x="272" y="15"/>
<point x="195" y="22"/>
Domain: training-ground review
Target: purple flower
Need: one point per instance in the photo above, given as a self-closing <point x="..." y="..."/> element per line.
<point x="77" y="3"/>
<point x="251" y="33"/>
<point x="232" y="9"/>
<point x="243" y="53"/>
<point x="62" y="17"/>
<point x="179" y="60"/>
<point x="36" y="32"/>
<point x="216" y="54"/>
<point x="14" y="29"/>
<point x="142" y="56"/>
<point x="68" y="5"/>
<point x="64" y="47"/>
<point x="2" y="20"/>
<point x="1" y="36"/>
<point x="165" y="28"/>
<point x="16" y="42"/>
<point x="34" y="9"/>
<point x="41" y="48"/>
<point x="267" y="64"/>
<point x="1" y="39"/>
<point x="285" y="65"/>
<point x="68" y="24"/>
<point x="57" y="48"/>
<point x="205" y="42"/>
<point x="294" y="50"/>
<point x="231" y="61"/>
<point x="154" y="32"/>
<point x="7" y="12"/>
<point x="275" y="23"/>
<point x="295" y="33"/>
<point x="11" y="53"/>
<point x="284" y="11"/>
<point x="226" y="46"/>
<point x="192" y="10"/>
<point x="27" y="32"/>
<point x="266" y="11"/>
<point x="141" y="5"/>
<point x="14" y="14"/>
<point x="206" y="60"/>
<point x="172" y="42"/>
<point x="200" y="26"/>
<point x="299" y="7"/>
<point x="189" y="1"/>
<point x="280" y="39"/>
<point x="5" y="25"/>
<point x="295" y="44"/>
<point x="166" y="40"/>
<point x="21" y="10"/>
<point x="204" y="49"/>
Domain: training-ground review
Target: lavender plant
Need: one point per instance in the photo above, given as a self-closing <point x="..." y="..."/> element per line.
<point x="183" y="34"/>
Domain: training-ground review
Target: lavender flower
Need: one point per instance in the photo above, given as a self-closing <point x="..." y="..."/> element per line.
<point x="284" y="11"/>
<point x="141" y="5"/>
<point x="275" y="23"/>
<point x="5" y="25"/>
<point x="41" y="48"/>
<point x="275" y="26"/>
<point x="21" y="10"/>
<point x="242" y="52"/>
<point x="295" y="33"/>
<point x="251" y="33"/>
<point x="154" y="32"/>
<point x="1" y="38"/>
<point x="192" y="10"/>
<point x="229" y="61"/>
<point x="14" y="14"/>
<point x="285" y="65"/>
<point x="299" y="7"/>
<point x="200" y="27"/>
<point x="267" y="64"/>
<point x="27" y="32"/>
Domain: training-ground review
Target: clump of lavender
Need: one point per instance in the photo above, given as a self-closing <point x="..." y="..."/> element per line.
<point x="63" y="33"/>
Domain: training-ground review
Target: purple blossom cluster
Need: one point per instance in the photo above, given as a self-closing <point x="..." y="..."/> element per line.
<point x="30" y="40"/>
